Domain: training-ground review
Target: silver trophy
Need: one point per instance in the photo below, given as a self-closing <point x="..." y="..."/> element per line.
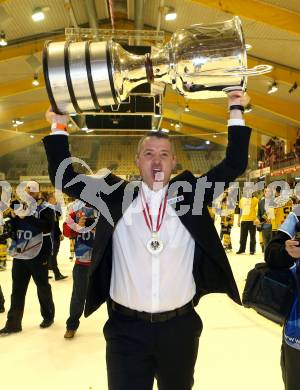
<point x="199" y="62"/>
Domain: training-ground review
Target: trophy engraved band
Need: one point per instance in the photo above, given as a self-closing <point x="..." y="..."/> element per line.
<point x="199" y="62"/>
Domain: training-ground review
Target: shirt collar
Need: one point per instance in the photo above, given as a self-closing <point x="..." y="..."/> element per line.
<point x="154" y="195"/>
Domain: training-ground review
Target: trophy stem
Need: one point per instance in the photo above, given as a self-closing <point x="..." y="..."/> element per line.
<point x="161" y="66"/>
<point x="149" y="68"/>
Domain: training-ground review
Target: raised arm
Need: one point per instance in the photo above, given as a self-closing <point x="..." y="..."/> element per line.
<point x="99" y="191"/>
<point x="236" y="158"/>
<point x="57" y="151"/>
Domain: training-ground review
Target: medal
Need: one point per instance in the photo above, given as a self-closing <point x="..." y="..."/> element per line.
<point x="154" y="245"/>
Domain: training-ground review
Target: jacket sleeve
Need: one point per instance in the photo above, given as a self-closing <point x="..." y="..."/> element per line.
<point x="260" y="210"/>
<point x="98" y="191"/>
<point x="275" y="254"/>
<point x="57" y="151"/>
<point x="233" y="165"/>
<point x="46" y="221"/>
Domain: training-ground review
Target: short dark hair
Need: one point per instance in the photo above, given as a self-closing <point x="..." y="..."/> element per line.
<point x="156" y="134"/>
<point x="44" y="195"/>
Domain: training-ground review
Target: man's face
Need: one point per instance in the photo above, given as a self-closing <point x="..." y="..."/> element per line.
<point x="33" y="194"/>
<point x="156" y="161"/>
<point x="52" y="200"/>
<point x="267" y="192"/>
<point x="247" y="192"/>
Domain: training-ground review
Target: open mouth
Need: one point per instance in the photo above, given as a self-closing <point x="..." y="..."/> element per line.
<point x="158" y="175"/>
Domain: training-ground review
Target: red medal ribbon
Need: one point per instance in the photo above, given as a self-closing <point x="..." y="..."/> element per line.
<point x="147" y="214"/>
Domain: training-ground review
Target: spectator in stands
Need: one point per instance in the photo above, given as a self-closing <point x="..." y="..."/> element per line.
<point x="56" y="234"/>
<point x="270" y="152"/>
<point x="297" y="145"/>
<point x="261" y="154"/>
<point x="31" y="249"/>
<point x="85" y="217"/>
<point x="153" y="271"/>
<point x="246" y="221"/>
<point x="281" y="150"/>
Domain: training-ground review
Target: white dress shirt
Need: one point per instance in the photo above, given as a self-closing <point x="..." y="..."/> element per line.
<point x="146" y="282"/>
<point x="236" y="122"/>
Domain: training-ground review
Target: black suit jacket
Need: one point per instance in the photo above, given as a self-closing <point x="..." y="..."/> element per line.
<point x="211" y="269"/>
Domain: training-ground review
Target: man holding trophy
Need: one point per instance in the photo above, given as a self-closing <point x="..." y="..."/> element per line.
<point x="156" y="250"/>
<point x="153" y="271"/>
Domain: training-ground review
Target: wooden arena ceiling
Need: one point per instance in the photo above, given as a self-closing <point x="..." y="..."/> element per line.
<point x="272" y="27"/>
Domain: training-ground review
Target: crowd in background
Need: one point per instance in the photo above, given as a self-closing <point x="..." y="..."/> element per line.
<point x="273" y="152"/>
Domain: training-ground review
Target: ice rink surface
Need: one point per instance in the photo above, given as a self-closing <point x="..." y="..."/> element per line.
<point x="239" y="350"/>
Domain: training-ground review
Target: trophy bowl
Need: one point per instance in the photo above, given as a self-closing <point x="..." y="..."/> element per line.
<point x="200" y="62"/>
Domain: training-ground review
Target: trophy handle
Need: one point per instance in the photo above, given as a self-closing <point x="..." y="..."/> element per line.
<point x="237" y="71"/>
<point x="241" y="71"/>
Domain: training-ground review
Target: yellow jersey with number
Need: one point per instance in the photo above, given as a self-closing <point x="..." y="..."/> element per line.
<point x="282" y="212"/>
<point x="248" y="208"/>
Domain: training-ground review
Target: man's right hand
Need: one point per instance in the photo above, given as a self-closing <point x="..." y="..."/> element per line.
<point x="292" y="247"/>
<point x="256" y="222"/>
<point x="52" y="117"/>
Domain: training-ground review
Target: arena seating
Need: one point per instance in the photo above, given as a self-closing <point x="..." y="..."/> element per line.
<point x="115" y="153"/>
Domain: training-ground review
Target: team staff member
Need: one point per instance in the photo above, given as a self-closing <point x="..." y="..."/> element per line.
<point x="153" y="266"/>
<point x="31" y="250"/>
<point x="82" y="216"/>
<point x="283" y="251"/>
<point x="264" y="220"/>
<point x="248" y="210"/>
<point x="56" y="235"/>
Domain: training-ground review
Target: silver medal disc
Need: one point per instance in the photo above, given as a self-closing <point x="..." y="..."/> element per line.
<point x="155" y="246"/>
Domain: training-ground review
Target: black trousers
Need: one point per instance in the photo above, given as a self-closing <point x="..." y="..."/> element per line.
<point x="22" y="271"/>
<point x="53" y="258"/>
<point x="247" y="226"/>
<point x="267" y="235"/>
<point x="80" y="282"/>
<point x="290" y="367"/>
<point x="138" y="351"/>
<point x="2" y="300"/>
